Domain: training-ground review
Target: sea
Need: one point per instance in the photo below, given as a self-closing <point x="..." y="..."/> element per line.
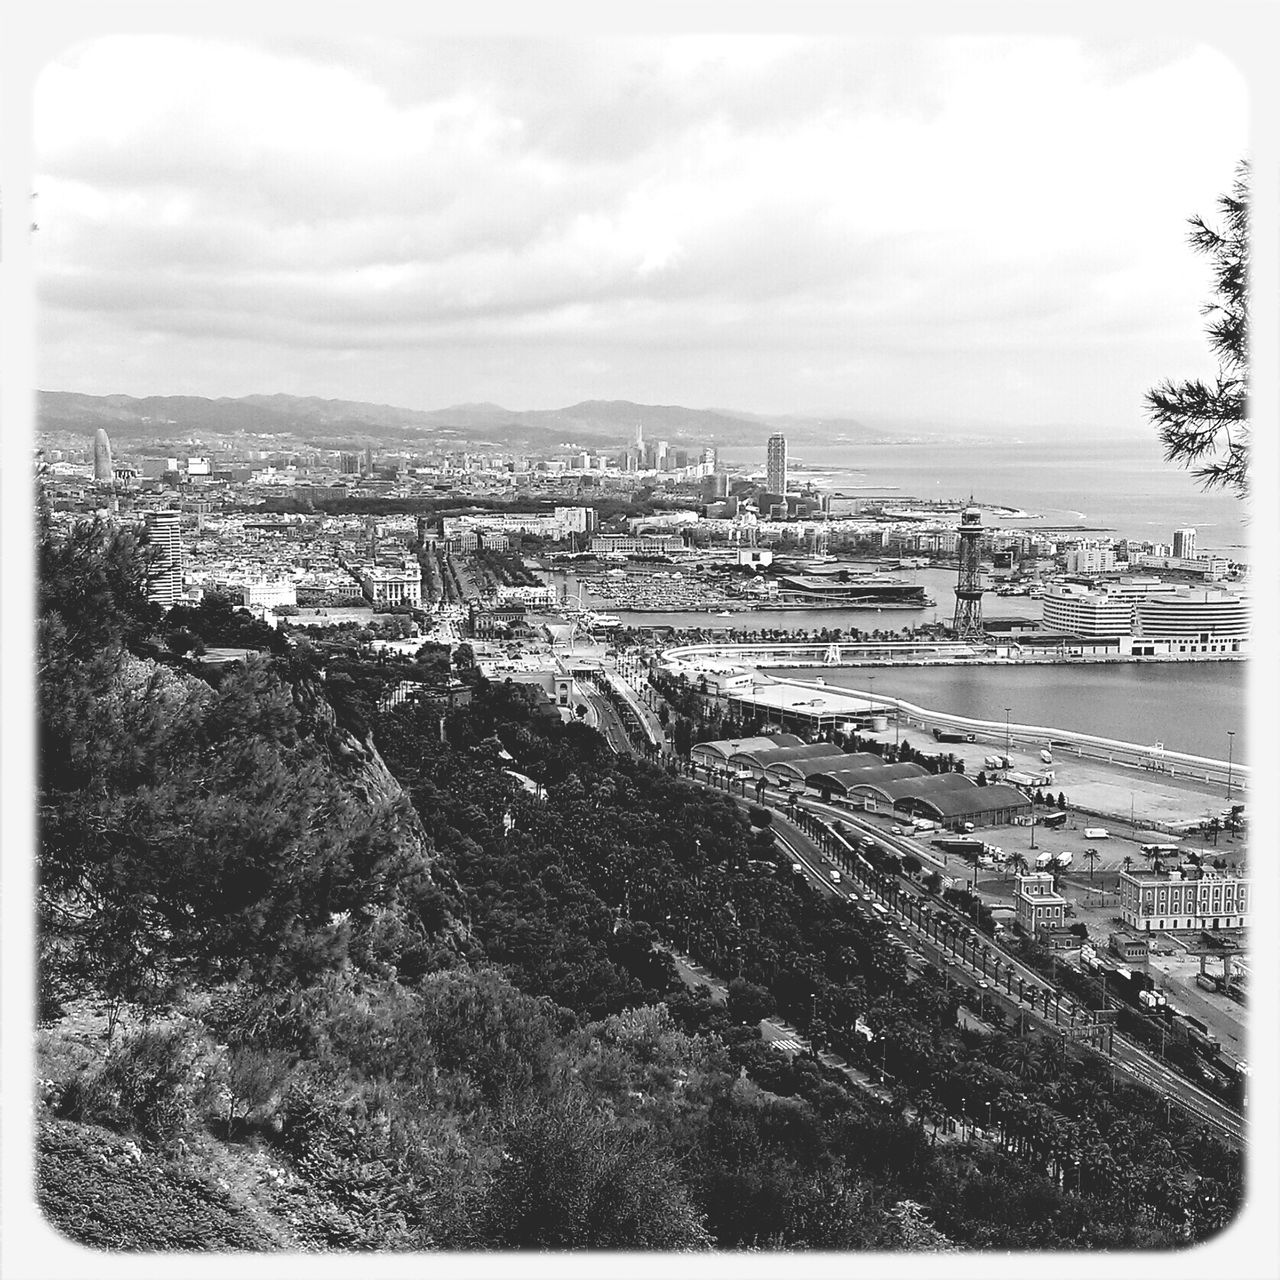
<point x="1119" y="487"/>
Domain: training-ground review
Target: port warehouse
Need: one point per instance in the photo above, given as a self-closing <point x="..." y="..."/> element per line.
<point x="950" y="799"/>
<point x="812" y="710"/>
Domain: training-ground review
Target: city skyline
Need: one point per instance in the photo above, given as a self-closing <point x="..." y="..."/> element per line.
<point x="536" y="223"/>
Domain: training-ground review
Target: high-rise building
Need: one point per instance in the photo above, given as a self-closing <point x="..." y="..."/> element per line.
<point x="102" y="470"/>
<point x="164" y="579"/>
<point x="776" y="464"/>
<point x="1184" y="544"/>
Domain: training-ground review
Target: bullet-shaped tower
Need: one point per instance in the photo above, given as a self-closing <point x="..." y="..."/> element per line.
<point x="968" y="621"/>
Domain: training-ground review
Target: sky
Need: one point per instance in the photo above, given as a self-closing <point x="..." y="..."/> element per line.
<point x="979" y="230"/>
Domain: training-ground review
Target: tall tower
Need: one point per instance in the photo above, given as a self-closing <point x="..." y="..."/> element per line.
<point x="1184" y="544"/>
<point x="102" y="469"/>
<point x="968" y="620"/>
<point x="776" y="465"/>
<point x="164" y="582"/>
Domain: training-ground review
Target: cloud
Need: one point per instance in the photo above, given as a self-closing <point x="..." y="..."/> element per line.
<point x="613" y="201"/>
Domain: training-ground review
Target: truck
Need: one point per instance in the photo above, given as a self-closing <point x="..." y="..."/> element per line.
<point x="1024" y="778"/>
<point x="1097" y="833"/>
<point x="952" y="735"/>
<point x="1043" y="860"/>
<point x="1064" y="859"/>
<point x="923" y="824"/>
<point x="1152" y="1001"/>
<point x="1046" y="757"/>
<point x="997" y="762"/>
<point x="964" y="846"/>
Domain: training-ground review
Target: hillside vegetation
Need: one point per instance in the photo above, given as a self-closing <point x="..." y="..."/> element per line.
<point x="317" y="978"/>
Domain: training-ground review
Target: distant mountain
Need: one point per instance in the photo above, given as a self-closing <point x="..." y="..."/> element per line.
<point x="302" y="420"/>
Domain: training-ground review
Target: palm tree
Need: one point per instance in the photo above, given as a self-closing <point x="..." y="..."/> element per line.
<point x="1019" y="864"/>
<point x="1091" y="856"/>
<point x="1128" y="862"/>
<point x="1023" y="1058"/>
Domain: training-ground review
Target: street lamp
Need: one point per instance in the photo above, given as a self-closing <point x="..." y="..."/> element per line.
<point x="1008" y="741"/>
<point x="1231" y="742"/>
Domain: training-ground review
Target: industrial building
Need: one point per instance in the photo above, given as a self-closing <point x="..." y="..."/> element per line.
<point x="756" y="761"/>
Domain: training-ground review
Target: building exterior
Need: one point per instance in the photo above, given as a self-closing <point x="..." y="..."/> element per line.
<point x="102" y="470"/>
<point x="776" y="464"/>
<point x="1191" y="621"/>
<point x="164" y="581"/>
<point x="1091" y="557"/>
<point x="635" y="545"/>
<point x="1089" y="614"/>
<point x="576" y="519"/>
<point x="1177" y="900"/>
<point x="1038" y="904"/>
<point x="267" y="594"/>
<point x="1184" y="544"/>
<point x="535" y="597"/>
<point x="392" y="586"/>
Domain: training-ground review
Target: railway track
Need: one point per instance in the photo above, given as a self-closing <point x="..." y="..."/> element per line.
<point x="1125" y="1056"/>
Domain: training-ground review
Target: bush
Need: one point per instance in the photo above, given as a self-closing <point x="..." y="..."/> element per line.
<point x="157" y="1085"/>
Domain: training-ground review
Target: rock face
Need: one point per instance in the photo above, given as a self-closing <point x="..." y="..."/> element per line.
<point x="330" y="807"/>
<point x="415" y="878"/>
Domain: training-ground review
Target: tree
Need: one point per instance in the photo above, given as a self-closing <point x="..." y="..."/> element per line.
<point x="759" y="816"/>
<point x="1205" y="427"/>
<point x="1091" y="856"/>
<point x="747" y="1002"/>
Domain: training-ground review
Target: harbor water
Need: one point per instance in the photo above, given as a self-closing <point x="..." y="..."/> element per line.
<point x="1186" y="706"/>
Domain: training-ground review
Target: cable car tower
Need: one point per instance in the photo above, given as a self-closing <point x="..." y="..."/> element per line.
<point x="968" y="620"/>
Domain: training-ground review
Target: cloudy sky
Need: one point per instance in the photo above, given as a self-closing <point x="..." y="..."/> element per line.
<point x="971" y="230"/>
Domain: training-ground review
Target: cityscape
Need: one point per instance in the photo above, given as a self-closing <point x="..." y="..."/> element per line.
<point x="635" y="825"/>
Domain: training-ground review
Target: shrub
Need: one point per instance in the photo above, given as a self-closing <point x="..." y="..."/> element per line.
<point x="156" y="1084"/>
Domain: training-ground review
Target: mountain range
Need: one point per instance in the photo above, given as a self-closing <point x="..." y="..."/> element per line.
<point x="307" y="420"/>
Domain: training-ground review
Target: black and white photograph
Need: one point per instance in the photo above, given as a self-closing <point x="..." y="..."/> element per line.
<point x="641" y="643"/>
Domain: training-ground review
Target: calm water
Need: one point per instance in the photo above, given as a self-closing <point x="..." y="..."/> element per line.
<point x="1123" y="486"/>
<point x="1186" y="706"/>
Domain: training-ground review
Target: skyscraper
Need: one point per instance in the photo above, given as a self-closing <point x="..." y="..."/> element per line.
<point x="102" y="469"/>
<point x="776" y="466"/>
<point x="164" y="580"/>
<point x="1184" y="544"/>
